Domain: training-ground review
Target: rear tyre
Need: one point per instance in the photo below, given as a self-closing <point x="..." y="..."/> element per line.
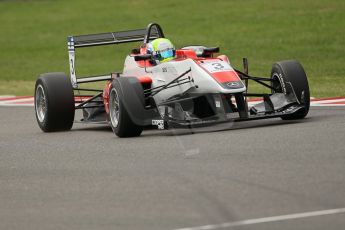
<point x="120" y="121"/>
<point x="54" y="102"/>
<point x="291" y="71"/>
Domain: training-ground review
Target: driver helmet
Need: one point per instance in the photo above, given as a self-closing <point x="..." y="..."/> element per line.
<point x="162" y="50"/>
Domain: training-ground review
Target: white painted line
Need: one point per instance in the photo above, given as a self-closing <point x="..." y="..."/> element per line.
<point x="267" y="219"/>
<point x="326" y="105"/>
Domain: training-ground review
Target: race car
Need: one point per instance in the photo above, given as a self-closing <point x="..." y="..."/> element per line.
<point x="193" y="88"/>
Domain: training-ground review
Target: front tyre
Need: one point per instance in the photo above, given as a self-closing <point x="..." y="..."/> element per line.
<point x="120" y="121"/>
<point x="54" y="102"/>
<point x="290" y="76"/>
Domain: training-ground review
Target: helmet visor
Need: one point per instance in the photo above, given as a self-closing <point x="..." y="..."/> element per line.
<point x="167" y="53"/>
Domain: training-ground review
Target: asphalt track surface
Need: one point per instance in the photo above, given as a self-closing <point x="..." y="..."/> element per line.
<point x="89" y="179"/>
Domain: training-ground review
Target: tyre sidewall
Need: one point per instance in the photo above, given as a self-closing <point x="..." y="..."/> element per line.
<point x="292" y="71"/>
<point x="44" y="125"/>
<point x="117" y="128"/>
<point x="125" y="126"/>
<point x="59" y="102"/>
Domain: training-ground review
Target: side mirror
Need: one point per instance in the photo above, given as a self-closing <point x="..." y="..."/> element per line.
<point x="142" y="57"/>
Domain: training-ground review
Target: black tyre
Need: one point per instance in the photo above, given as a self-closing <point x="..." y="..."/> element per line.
<point x="289" y="76"/>
<point x="120" y="121"/>
<point x="54" y="102"/>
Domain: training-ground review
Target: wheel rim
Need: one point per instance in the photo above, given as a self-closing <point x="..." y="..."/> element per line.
<point x="40" y="103"/>
<point x="276" y="84"/>
<point x="114" y="108"/>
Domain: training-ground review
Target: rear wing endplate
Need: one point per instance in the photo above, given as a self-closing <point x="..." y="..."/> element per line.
<point x="152" y="31"/>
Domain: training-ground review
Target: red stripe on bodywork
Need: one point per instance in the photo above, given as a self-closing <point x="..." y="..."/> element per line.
<point x="186" y="54"/>
<point x="143" y="64"/>
<point x="145" y="79"/>
<point x="228" y="76"/>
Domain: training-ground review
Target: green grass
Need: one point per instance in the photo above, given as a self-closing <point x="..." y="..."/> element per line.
<point x="33" y="35"/>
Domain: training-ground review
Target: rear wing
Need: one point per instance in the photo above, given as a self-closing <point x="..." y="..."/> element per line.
<point x="152" y="31"/>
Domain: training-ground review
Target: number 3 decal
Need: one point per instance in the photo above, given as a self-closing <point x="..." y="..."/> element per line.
<point x="217" y="66"/>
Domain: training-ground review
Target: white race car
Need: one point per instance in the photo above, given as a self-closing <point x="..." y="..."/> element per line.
<point x="196" y="88"/>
